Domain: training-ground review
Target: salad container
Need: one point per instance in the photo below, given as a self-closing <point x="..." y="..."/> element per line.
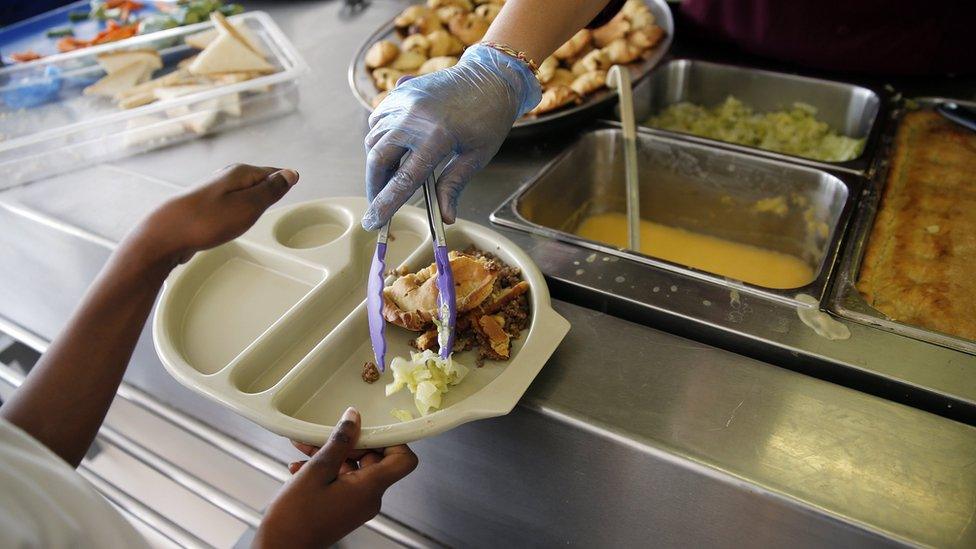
<point x="48" y="125"/>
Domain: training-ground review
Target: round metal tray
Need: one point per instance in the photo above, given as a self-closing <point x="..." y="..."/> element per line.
<point x="363" y="88"/>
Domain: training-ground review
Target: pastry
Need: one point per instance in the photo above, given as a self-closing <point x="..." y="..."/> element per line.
<point x="645" y="38"/>
<point x="412" y="14"/>
<point x="620" y="52"/>
<point x="561" y="77"/>
<point x="416" y="43"/>
<point x="554" y="98"/>
<point x="547" y="69"/>
<point x="437" y="63"/>
<point x="486" y="323"/>
<point x="616" y="28"/>
<point x="596" y="60"/>
<point x="381" y="54"/>
<point x="574" y="45"/>
<point x="386" y="78"/>
<point x="637" y="12"/>
<point x="640" y="17"/>
<point x="589" y="82"/>
<point x="465" y="5"/>
<point x="444" y="43"/>
<point x="411" y="301"/>
<point x="408" y="61"/>
<point x="447" y="12"/>
<point x="469" y="28"/>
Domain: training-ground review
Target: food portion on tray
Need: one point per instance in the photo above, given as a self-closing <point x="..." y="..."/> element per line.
<point x="493" y="311"/>
<point x="108" y="21"/>
<point x="435" y="35"/>
<point x="919" y="263"/>
<point x="291" y="356"/>
<point x="795" y="131"/>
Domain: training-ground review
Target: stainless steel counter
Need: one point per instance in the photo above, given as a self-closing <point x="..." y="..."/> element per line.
<point x="630" y="436"/>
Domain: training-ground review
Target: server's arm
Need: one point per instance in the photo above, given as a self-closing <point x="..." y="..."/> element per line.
<point x="462" y="114"/>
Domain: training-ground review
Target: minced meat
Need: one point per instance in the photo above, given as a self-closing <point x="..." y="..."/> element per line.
<point x="370" y="372"/>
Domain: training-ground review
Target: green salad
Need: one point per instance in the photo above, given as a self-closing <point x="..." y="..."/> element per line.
<point x="795" y="131"/>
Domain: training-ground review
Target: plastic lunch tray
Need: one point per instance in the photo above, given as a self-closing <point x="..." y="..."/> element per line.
<point x="75" y="130"/>
<point x="273" y="325"/>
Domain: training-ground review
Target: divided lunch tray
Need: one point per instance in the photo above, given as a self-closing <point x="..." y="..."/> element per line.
<point x="73" y="130"/>
<point x="273" y="325"/>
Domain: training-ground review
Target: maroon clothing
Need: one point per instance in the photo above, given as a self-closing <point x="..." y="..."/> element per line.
<point x="873" y="36"/>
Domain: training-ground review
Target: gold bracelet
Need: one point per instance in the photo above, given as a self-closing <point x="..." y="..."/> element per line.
<point x="512" y="52"/>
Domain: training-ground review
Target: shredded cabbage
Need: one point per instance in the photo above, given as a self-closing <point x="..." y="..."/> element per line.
<point x="795" y="131"/>
<point x="401" y="414"/>
<point x="427" y="376"/>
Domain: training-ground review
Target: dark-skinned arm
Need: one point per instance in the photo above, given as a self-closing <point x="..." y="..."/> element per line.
<point x="64" y="399"/>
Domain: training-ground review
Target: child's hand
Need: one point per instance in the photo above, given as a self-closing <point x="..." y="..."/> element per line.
<point x="334" y="492"/>
<point x="216" y="212"/>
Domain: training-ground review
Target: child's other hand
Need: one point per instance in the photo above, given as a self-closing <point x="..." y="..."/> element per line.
<point x="334" y="492"/>
<point x="216" y="212"/>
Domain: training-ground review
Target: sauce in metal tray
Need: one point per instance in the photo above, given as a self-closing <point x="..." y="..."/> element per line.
<point x="708" y="253"/>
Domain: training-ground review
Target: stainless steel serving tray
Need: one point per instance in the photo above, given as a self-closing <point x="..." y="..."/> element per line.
<point x="695" y="187"/>
<point x="852" y="110"/>
<point x="363" y="88"/>
<point x="757" y="322"/>
<point x="845" y="299"/>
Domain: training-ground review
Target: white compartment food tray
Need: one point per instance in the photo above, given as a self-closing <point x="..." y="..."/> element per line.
<point x="273" y="325"/>
<point x="75" y="130"/>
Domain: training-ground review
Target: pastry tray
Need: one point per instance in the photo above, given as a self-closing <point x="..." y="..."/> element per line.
<point x="73" y="130"/>
<point x="273" y="325"/>
<point x="363" y="88"/>
<point x="846" y="299"/>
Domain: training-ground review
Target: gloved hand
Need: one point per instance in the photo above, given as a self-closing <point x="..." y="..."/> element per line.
<point x="462" y="113"/>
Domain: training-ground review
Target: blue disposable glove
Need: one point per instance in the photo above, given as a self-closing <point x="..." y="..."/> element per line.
<point x="461" y="114"/>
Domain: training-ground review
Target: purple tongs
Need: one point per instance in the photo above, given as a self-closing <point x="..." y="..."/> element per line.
<point x="446" y="302"/>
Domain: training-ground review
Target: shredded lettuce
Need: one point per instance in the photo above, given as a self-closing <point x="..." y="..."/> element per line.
<point x="427" y="376"/>
<point x="401" y="414"/>
<point x="795" y="131"/>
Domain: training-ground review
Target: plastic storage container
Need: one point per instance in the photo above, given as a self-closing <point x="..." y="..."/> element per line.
<point x="71" y="130"/>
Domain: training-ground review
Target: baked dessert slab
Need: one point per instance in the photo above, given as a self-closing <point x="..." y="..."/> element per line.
<point x="919" y="267"/>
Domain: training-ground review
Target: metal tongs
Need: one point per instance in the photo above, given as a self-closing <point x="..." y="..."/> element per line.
<point x="446" y="300"/>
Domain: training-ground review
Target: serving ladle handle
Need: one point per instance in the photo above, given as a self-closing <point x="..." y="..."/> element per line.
<point x="618" y="78"/>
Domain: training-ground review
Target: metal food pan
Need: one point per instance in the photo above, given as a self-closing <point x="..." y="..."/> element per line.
<point x="848" y="109"/>
<point x="361" y="82"/>
<point x="694" y="187"/>
<point x="846" y="300"/>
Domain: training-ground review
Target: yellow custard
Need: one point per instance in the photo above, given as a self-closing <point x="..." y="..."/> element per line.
<point x="707" y="253"/>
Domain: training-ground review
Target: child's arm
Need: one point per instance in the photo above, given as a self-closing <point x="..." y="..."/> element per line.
<point x="64" y="399"/>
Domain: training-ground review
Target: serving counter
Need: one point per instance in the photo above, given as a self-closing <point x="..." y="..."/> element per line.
<point x="630" y="436"/>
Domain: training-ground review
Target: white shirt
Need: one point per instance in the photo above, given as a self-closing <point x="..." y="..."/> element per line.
<point x="46" y="503"/>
